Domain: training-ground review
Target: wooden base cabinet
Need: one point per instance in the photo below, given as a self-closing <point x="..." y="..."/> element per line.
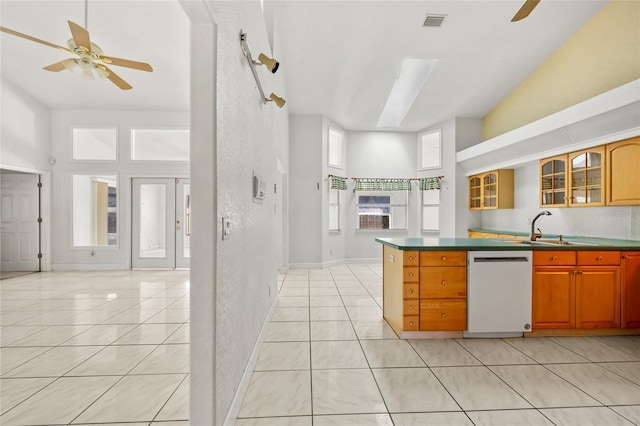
<point x="576" y="289"/>
<point x="424" y="290"/>
<point x="631" y="289"/>
<point x="553" y="297"/>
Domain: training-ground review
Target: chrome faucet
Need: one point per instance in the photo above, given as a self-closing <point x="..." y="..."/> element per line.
<point x="535" y="235"/>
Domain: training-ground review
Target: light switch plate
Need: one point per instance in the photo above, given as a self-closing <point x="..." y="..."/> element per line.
<point x="226" y="228"/>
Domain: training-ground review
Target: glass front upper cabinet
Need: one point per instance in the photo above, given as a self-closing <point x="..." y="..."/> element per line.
<point x="553" y="182"/>
<point x="586" y="172"/>
<point x="475" y="191"/>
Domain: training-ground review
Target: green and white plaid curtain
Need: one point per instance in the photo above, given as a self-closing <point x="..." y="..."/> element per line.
<point x="378" y="184"/>
<point x="429" y="183"/>
<point x="339" y="183"/>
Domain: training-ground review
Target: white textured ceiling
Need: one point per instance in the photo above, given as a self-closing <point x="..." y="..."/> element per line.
<point x="339" y="58"/>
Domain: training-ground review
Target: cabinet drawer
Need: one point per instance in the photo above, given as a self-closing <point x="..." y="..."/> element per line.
<point x="410" y="258"/>
<point x="410" y="323"/>
<point x="411" y="307"/>
<point x="410" y="274"/>
<point x="598" y="258"/>
<point x="443" y="258"/>
<point x="554" y="258"/>
<point x="411" y="291"/>
<point x="443" y="315"/>
<point x="443" y="283"/>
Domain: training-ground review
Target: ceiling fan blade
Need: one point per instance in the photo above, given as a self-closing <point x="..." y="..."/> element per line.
<point x="525" y="10"/>
<point x="57" y="67"/>
<point x="37" y="40"/>
<point x="115" y="79"/>
<point x="80" y="36"/>
<point x="142" y="66"/>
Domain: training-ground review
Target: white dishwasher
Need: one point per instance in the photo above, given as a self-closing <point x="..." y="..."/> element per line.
<point x="498" y="293"/>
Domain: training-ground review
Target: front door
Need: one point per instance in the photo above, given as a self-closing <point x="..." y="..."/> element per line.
<point x="19" y="230"/>
<point x="160" y="223"/>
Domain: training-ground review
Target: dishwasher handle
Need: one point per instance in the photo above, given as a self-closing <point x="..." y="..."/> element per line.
<point x="500" y="259"/>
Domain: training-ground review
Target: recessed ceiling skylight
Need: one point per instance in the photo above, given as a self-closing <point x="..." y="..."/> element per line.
<point x="413" y="75"/>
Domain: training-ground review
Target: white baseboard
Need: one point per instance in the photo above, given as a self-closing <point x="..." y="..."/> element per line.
<point x="305" y="266"/>
<point x="364" y="260"/>
<point x="89" y="267"/>
<point x="234" y="409"/>
<point x="334" y="263"/>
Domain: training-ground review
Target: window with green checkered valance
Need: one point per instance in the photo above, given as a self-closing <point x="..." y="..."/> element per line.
<point x="338" y="182"/>
<point x="383" y="184"/>
<point x="429" y="183"/>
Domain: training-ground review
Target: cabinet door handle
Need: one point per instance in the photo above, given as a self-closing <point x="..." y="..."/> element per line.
<point x="554" y="257"/>
<point x="411" y="307"/>
<point x="444" y="315"/>
<point x="410" y="274"/>
<point x="444" y="282"/>
<point x="599" y="258"/>
<point x="411" y="323"/>
<point x="410" y="257"/>
<point x="444" y="258"/>
<point x="411" y="291"/>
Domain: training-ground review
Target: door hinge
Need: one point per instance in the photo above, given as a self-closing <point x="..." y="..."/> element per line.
<point x="39" y="184"/>
<point x="39" y="220"/>
<point x="39" y="255"/>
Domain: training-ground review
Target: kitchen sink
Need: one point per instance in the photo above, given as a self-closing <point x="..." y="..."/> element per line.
<point x="550" y="243"/>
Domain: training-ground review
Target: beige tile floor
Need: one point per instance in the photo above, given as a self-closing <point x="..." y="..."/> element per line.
<point x="113" y="348"/>
<point x="95" y="348"/>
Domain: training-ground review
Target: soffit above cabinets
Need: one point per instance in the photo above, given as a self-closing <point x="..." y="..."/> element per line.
<point x="611" y="116"/>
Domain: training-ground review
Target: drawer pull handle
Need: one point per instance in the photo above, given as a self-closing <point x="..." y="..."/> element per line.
<point x="411" y="323"/>
<point x="410" y="257"/>
<point x="599" y="258"/>
<point x="410" y="274"/>
<point x="411" y="307"/>
<point x="554" y="257"/>
<point x="411" y="290"/>
<point x="444" y="315"/>
<point x="444" y="282"/>
<point x="444" y="258"/>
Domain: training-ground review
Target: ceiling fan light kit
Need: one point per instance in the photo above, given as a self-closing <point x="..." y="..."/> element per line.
<point x="271" y="64"/>
<point x="90" y="57"/>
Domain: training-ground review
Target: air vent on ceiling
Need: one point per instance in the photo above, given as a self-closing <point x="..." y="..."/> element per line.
<point x="434" y="21"/>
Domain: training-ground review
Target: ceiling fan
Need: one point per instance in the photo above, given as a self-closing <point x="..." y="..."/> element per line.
<point x="525" y="10"/>
<point x="89" y="58"/>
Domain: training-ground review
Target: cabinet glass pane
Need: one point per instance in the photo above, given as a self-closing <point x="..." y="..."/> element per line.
<point x="547" y="168"/>
<point x="579" y="162"/>
<point x="558" y="197"/>
<point x="594" y="177"/>
<point x="153" y="232"/>
<point x="547" y="183"/>
<point x="579" y="196"/>
<point x="558" y="181"/>
<point x="558" y="166"/>
<point x="594" y="159"/>
<point x="593" y="196"/>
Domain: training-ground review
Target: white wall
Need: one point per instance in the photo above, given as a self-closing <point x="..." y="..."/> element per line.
<point x="25" y="130"/>
<point x="384" y="155"/>
<point x="65" y="256"/>
<point x="306" y="189"/>
<point x="608" y="222"/>
<point x="250" y="136"/>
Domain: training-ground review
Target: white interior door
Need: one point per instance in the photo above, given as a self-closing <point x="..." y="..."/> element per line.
<point x="159" y="216"/>
<point x="19" y="230"/>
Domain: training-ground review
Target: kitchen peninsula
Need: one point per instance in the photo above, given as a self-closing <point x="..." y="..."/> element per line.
<point x="576" y="286"/>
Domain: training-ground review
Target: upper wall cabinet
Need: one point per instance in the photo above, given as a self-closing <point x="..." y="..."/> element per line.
<point x="586" y="177"/>
<point x="603" y="175"/>
<point x="491" y="190"/>
<point x="623" y="172"/>
<point x="553" y="182"/>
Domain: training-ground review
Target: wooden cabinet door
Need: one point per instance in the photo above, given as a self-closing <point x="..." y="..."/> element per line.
<point x="586" y="177"/>
<point x="598" y="297"/>
<point x="623" y="173"/>
<point x="553" y="182"/>
<point x="631" y="290"/>
<point x="475" y="192"/>
<point x="553" y="297"/>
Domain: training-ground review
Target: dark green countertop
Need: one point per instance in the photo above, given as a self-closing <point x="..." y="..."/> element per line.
<point x="487" y="244"/>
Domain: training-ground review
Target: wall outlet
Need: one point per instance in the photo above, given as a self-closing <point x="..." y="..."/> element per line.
<point x="529" y="220"/>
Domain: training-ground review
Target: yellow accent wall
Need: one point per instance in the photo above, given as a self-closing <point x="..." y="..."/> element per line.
<point x="602" y="55"/>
